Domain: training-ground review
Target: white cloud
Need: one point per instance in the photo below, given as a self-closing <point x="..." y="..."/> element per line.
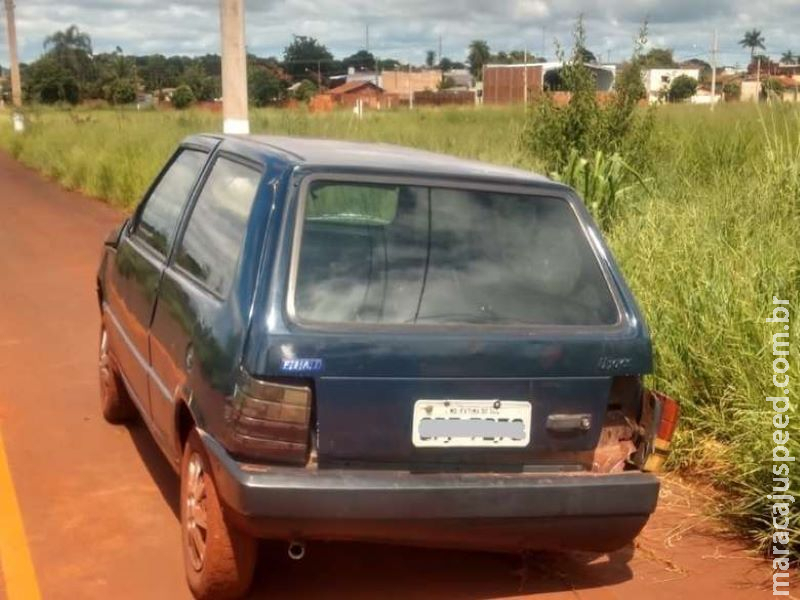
<point x="405" y="29"/>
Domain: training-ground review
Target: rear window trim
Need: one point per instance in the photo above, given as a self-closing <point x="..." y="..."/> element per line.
<point x="295" y="228"/>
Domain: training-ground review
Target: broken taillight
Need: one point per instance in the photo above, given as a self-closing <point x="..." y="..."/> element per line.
<point x="269" y="420"/>
<point x="663" y="420"/>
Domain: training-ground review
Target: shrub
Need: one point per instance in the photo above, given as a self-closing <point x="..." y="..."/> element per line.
<point x="562" y="136"/>
<point x="732" y="91"/>
<point x="602" y="182"/>
<point x="771" y="88"/>
<point x="122" y="92"/>
<point x="183" y="97"/>
<point x="682" y="88"/>
<point x="305" y="91"/>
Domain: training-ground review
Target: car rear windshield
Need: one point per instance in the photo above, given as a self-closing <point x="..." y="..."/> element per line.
<point x="407" y="254"/>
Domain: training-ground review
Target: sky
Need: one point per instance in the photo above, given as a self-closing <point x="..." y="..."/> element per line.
<point x="405" y="29"/>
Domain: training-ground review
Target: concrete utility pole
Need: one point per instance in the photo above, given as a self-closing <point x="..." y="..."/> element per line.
<point x="234" y="68"/>
<point x="16" y="85"/>
<point x="714" y="70"/>
<point x="525" y="77"/>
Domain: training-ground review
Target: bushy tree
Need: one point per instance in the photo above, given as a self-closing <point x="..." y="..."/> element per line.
<point x="478" y="55"/>
<point x="360" y="61"/>
<point x="430" y="58"/>
<point x="682" y="88"/>
<point x="305" y="55"/>
<point x="305" y="91"/>
<point x="732" y="91"/>
<point x="265" y="83"/>
<point x="183" y="97"/>
<point x="123" y="91"/>
<point x="49" y="82"/>
<point x="656" y="58"/>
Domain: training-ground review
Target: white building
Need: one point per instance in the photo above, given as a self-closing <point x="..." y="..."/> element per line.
<point x="657" y="81"/>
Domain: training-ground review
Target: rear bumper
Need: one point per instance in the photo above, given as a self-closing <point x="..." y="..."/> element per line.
<point x="488" y="511"/>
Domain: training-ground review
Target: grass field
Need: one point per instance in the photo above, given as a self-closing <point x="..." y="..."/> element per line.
<point x="705" y="247"/>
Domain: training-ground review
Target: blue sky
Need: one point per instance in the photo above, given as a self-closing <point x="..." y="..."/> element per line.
<point x="405" y="29"/>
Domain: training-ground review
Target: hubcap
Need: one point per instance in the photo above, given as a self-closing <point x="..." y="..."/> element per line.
<point x="196" y="522"/>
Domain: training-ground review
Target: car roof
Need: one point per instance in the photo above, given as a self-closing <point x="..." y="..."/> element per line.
<point x="317" y="152"/>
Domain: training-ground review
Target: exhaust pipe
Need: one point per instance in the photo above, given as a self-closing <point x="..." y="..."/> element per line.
<point x="297" y="549"/>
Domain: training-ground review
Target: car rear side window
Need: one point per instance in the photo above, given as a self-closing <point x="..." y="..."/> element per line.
<point x="212" y="243"/>
<point x="162" y="210"/>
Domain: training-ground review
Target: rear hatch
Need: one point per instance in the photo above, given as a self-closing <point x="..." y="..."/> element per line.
<point x="456" y="326"/>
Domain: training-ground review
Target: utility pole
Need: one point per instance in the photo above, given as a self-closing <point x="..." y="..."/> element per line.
<point x="758" y="80"/>
<point x="714" y="70"/>
<point x="234" y="68"/>
<point x="366" y="40"/>
<point x="440" y="49"/>
<point x="525" y="77"/>
<point x="16" y="86"/>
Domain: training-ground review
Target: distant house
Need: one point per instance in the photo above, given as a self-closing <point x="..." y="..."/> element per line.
<point x="506" y="84"/>
<point x="461" y="78"/>
<point x="366" y="93"/>
<point x="657" y="81"/>
<point x="403" y="83"/>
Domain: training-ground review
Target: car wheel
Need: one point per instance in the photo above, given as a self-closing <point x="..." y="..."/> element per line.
<point x="114" y="400"/>
<point x="219" y="560"/>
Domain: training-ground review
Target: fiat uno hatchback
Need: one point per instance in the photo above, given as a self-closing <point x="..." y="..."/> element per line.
<point x="340" y="341"/>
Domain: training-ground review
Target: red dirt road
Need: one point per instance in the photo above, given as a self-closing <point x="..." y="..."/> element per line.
<point x="99" y="503"/>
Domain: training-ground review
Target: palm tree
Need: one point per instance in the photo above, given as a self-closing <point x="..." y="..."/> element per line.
<point x="70" y="39"/>
<point x="789" y="58"/>
<point x="478" y="56"/>
<point x="752" y="39"/>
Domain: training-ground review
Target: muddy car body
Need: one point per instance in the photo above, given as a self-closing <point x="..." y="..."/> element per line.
<point x="332" y="340"/>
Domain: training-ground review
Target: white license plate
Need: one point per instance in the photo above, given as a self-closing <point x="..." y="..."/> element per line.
<point x="471" y="423"/>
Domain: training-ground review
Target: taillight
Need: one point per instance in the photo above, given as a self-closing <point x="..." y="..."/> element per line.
<point x="665" y="412"/>
<point x="269" y="420"/>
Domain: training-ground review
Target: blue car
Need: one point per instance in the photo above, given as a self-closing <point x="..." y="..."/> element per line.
<point x="342" y="341"/>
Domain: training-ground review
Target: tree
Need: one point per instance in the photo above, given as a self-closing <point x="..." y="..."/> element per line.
<point x="585" y="54"/>
<point x="447" y="64"/>
<point x="182" y="97"/>
<point x="752" y="39"/>
<point x="732" y="91"/>
<point x="305" y="91"/>
<point x="682" y="88"/>
<point x="430" y="58"/>
<point x="657" y="58"/>
<point x="388" y="64"/>
<point x="72" y="50"/>
<point x="789" y="58"/>
<point x="305" y="54"/>
<point x="478" y="55"/>
<point x="360" y="61"/>
<point x="265" y="83"/>
<point x="123" y="91"/>
<point x="48" y="81"/>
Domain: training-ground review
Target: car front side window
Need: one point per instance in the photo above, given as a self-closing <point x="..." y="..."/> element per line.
<point x="158" y="219"/>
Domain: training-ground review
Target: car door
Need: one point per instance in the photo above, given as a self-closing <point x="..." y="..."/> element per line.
<point x="201" y="313"/>
<point x="134" y="273"/>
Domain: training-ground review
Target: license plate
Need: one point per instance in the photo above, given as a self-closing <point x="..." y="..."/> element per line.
<point x="471" y="423"/>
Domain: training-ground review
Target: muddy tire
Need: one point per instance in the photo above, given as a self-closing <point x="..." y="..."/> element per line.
<point x="219" y="560"/>
<point x="114" y="400"/>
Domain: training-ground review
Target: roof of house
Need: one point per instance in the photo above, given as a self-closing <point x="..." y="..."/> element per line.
<point x="380" y="157"/>
<point x="352" y="86"/>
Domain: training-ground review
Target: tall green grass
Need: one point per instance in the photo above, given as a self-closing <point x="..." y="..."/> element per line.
<point x="705" y="245"/>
